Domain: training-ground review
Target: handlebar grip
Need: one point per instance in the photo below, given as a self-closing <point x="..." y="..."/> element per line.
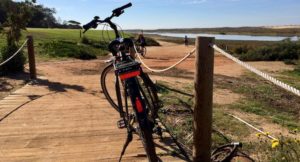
<point x="119" y="10"/>
<point x="92" y="24"/>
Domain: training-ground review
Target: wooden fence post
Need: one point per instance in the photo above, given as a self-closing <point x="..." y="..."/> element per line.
<point x="203" y="83"/>
<point x="31" y="57"/>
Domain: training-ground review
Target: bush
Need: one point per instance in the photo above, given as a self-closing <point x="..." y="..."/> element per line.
<point x="241" y="50"/>
<point x="151" y="42"/>
<point x="282" y="51"/>
<point x="85" y="40"/>
<point x="14" y="65"/>
<point x="68" y="49"/>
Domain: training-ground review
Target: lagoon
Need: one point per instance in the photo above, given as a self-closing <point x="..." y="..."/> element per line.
<point x="225" y="37"/>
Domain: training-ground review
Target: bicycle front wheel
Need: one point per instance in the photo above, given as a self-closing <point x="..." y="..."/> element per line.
<point x="107" y="80"/>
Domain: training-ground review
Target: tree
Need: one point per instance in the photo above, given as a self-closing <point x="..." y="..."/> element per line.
<point x="3" y="11"/>
<point x="18" y="16"/>
<point x="73" y="22"/>
<point x="42" y="17"/>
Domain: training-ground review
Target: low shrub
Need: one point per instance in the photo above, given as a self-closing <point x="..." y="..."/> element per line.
<point x="68" y="49"/>
<point x="16" y="64"/>
<point x="85" y="40"/>
<point x="283" y="51"/>
<point x="151" y="42"/>
<point x="242" y="50"/>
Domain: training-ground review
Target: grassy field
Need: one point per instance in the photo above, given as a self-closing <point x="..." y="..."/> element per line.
<point x="42" y="35"/>
<point x="64" y="41"/>
<point x="59" y="43"/>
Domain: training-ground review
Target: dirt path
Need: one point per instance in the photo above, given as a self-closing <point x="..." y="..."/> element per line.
<point x="169" y="53"/>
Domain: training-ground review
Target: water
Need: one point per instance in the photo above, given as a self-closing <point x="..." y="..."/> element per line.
<point x="226" y="37"/>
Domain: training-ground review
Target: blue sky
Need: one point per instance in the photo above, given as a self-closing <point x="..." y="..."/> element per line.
<point x="153" y="14"/>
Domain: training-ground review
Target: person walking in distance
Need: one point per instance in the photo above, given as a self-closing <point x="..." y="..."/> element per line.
<point x="142" y="42"/>
<point x="186" y="41"/>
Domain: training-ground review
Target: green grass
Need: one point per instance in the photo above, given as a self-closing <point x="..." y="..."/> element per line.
<point x="42" y="35"/>
<point x="264" y="99"/>
<point x="64" y="41"/>
<point x="291" y="77"/>
<point x="178" y="108"/>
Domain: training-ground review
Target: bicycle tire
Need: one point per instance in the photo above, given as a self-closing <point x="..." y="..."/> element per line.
<point x="151" y="94"/>
<point x="144" y="126"/>
<point x="224" y="153"/>
<point x="147" y="140"/>
<point x="104" y="73"/>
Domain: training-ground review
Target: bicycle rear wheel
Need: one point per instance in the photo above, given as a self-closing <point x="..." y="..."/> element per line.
<point x="145" y="133"/>
<point x="107" y="78"/>
<point x="149" y="92"/>
<point x="140" y="107"/>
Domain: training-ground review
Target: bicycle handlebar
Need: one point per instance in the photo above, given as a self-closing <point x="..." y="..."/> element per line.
<point x="115" y="13"/>
<point x="118" y="11"/>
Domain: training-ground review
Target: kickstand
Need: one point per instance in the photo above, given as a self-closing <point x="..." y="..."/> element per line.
<point x="128" y="140"/>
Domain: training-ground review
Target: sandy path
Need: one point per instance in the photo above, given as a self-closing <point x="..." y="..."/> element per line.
<point x="169" y="53"/>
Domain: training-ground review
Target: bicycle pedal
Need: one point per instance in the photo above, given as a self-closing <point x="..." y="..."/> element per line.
<point x="158" y="130"/>
<point x="121" y="124"/>
<point x="159" y="104"/>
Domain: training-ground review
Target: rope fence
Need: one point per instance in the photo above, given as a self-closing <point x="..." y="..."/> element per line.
<point x="258" y="72"/>
<point x="166" y="69"/>
<point x="17" y="52"/>
<point x="245" y="65"/>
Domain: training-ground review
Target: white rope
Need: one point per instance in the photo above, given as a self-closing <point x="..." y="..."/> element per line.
<point x="258" y="72"/>
<point x="166" y="69"/>
<point x="11" y="57"/>
<point x="258" y="130"/>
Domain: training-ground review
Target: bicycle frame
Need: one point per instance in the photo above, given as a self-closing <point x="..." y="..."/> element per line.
<point x="126" y="72"/>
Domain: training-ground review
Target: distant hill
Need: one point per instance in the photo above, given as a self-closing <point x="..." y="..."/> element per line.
<point x="283" y="27"/>
<point x="269" y="31"/>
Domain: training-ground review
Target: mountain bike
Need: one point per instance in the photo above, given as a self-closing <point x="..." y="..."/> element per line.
<point x="130" y="83"/>
<point x="141" y="49"/>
